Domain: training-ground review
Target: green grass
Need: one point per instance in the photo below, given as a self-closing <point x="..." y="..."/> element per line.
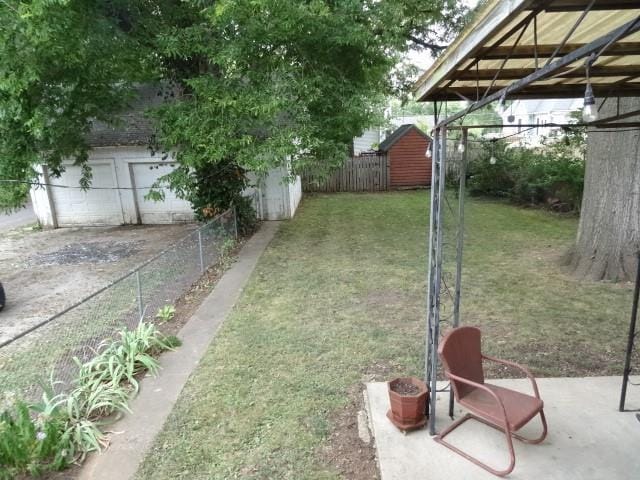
<point x="339" y="298"/>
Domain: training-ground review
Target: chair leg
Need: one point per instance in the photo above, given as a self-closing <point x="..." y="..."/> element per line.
<point x="540" y="438"/>
<point x="501" y="473"/>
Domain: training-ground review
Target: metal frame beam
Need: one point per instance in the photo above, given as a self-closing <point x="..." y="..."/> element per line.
<point x="630" y="340"/>
<point x="527" y="51"/>
<point x="571" y="72"/>
<point x="579" y="5"/>
<point x="545" y="72"/>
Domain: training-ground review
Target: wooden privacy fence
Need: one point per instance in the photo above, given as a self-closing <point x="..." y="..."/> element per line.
<point x="364" y="173"/>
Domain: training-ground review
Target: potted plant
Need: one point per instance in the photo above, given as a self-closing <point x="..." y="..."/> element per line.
<point x="408" y="399"/>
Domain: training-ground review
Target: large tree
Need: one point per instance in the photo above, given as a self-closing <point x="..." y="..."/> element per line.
<point x="609" y="231"/>
<point x="257" y="82"/>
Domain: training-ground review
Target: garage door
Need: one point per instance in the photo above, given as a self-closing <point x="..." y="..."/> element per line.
<point x="171" y="210"/>
<point x="99" y="205"/>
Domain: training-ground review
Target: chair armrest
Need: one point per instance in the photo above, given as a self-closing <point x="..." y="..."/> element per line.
<point x="517" y="366"/>
<point x="451" y="376"/>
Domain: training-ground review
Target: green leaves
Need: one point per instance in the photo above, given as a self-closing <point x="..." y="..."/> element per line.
<point x="262" y="83"/>
<point x="30" y="445"/>
<point x="69" y="425"/>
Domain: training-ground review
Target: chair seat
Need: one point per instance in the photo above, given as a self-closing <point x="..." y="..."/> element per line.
<point x="520" y="407"/>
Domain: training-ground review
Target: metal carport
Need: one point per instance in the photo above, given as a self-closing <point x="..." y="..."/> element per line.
<point x="515" y="49"/>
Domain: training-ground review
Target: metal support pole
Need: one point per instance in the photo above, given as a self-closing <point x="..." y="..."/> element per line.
<point x="139" y="287"/>
<point x="435" y="149"/>
<point x="460" y="245"/>
<point x="630" y="339"/>
<point x="200" y="251"/>
<point x="460" y="233"/>
<point x="435" y="272"/>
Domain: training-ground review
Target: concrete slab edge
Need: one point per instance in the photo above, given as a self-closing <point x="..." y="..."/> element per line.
<point x="158" y="395"/>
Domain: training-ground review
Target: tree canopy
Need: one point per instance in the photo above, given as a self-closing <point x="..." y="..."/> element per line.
<point x="254" y="83"/>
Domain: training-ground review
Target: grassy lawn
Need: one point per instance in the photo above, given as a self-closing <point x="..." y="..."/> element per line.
<point x="339" y="298"/>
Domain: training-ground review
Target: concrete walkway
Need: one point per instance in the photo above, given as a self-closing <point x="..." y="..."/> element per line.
<point x="158" y="395"/>
<point x="588" y="438"/>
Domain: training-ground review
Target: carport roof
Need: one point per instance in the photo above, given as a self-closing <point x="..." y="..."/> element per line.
<point x="512" y="40"/>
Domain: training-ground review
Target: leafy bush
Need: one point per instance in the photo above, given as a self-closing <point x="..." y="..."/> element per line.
<point x="69" y="425"/>
<point x="211" y="189"/>
<point x="31" y="445"/>
<point x="245" y="216"/>
<point x="552" y="174"/>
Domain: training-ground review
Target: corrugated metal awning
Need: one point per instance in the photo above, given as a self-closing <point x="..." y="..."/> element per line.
<point x="510" y="40"/>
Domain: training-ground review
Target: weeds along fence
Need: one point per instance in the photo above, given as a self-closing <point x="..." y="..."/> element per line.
<point x="29" y="361"/>
<point x="364" y="173"/>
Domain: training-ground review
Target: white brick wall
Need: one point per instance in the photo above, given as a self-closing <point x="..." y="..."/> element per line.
<point x="128" y="167"/>
<point x="121" y="167"/>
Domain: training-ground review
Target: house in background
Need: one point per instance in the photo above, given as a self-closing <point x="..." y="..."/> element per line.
<point x="541" y="113"/>
<point x="123" y="170"/>
<point x="371" y="138"/>
<point x="409" y="165"/>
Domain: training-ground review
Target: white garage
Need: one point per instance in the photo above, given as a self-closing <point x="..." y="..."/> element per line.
<point x="123" y="170"/>
<point x="121" y="177"/>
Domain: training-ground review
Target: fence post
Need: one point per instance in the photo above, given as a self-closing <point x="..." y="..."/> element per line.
<point x="235" y="222"/>
<point x="139" y="287"/>
<point x="200" y="250"/>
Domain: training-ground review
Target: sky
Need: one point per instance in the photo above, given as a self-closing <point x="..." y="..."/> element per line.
<point x="422" y="59"/>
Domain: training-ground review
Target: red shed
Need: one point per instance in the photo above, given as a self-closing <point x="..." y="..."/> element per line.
<point x="406" y="149"/>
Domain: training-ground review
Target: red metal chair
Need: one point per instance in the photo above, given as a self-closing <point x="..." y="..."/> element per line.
<point x="501" y="408"/>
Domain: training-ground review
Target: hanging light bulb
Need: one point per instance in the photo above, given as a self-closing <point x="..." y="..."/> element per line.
<point x="429" y="152"/>
<point x="493" y="160"/>
<point x="461" y="146"/>
<point x="589" y="110"/>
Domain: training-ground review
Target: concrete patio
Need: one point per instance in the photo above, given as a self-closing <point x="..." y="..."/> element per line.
<point x="588" y="438"/>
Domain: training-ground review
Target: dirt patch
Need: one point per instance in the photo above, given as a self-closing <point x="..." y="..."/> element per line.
<point x="188" y="303"/>
<point x="44" y="272"/>
<point x="90" y="252"/>
<point x="345" y="450"/>
<point x="385" y="298"/>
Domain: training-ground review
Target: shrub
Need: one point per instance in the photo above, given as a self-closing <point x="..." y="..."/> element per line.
<point x="552" y="174"/>
<point x="31" y="445"/>
<point x="211" y="189"/>
<point x="245" y="216"/>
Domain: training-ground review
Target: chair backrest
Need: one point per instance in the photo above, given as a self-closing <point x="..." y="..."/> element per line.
<point x="461" y="355"/>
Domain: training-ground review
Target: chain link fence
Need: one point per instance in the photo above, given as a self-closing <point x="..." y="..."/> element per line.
<point x="29" y="361"/>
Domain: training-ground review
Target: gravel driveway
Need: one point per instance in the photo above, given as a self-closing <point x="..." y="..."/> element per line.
<point x="44" y="272"/>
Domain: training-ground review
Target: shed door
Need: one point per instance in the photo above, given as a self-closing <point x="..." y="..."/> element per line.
<point x="100" y="205"/>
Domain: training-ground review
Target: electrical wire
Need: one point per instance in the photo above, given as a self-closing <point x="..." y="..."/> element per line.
<point x="78" y="187"/>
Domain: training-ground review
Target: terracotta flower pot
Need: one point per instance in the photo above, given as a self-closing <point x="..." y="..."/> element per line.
<point x="408" y="399"/>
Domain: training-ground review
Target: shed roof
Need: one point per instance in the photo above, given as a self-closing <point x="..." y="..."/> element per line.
<point x="400" y="132"/>
<point x="510" y="40"/>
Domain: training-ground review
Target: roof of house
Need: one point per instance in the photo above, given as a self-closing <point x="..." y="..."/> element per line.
<point x="400" y="132"/>
<point x="510" y="41"/>
<point x="134" y="128"/>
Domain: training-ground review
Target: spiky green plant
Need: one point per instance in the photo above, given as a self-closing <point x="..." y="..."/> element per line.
<point x="166" y="313"/>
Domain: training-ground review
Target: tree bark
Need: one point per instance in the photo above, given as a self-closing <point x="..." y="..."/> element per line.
<point x="609" y="231"/>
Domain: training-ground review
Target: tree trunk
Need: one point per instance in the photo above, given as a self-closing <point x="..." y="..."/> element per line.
<point x="609" y="231"/>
